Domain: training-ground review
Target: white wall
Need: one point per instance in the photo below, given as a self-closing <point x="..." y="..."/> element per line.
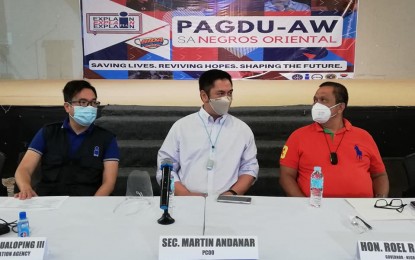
<point x="41" y="39"/>
<point x="385" y="39"/>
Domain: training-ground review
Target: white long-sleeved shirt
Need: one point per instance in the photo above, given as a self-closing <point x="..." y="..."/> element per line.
<point x="188" y="145"/>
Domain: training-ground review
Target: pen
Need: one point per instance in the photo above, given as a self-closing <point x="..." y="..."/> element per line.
<point x="364" y="222"/>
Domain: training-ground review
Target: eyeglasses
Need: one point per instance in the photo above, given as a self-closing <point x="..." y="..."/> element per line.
<point x="395" y="204"/>
<point x="85" y="103"/>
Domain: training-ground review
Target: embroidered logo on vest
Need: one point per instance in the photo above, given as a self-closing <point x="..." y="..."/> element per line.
<point x="96" y="151"/>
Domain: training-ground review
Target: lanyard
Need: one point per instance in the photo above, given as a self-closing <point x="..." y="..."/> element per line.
<point x="211" y="161"/>
<point x="333" y="155"/>
<point x="209" y="134"/>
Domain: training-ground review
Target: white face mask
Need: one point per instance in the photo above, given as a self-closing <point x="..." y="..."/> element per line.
<point x="321" y="113"/>
<point x="221" y="105"/>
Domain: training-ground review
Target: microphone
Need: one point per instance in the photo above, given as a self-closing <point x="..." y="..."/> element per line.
<point x="166" y="168"/>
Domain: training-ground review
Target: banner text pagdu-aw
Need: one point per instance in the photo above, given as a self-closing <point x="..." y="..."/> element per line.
<point x="257" y="31"/>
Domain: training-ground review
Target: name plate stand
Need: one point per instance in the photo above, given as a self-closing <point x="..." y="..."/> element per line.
<point x="208" y="247"/>
<point x="23" y="248"/>
<point x="368" y="250"/>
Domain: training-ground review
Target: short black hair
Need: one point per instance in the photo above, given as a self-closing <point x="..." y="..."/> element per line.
<point x="208" y="78"/>
<point x="339" y="91"/>
<point x="74" y="87"/>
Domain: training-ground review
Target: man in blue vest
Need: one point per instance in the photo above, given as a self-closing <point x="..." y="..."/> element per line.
<point x="77" y="157"/>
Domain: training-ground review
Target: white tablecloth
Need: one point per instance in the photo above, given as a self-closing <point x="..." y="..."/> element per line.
<point x="287" y="228"/>
<point x="87" y="228"/>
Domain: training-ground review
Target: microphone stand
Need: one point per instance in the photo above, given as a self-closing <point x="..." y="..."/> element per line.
<point x="166" y="219"/>
<point x="166" y="167"/>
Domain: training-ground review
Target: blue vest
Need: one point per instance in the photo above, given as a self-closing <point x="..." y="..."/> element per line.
<point x="77" y="176"/>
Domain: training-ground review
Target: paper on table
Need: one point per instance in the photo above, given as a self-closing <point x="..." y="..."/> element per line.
<point x="366" y="208"/>
<point x="33" y="203"/>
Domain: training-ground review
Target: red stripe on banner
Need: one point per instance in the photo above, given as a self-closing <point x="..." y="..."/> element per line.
<point x="284" y="13"/>
<point x="346" y="50"/>
<point x="134" y="53"/>
<point x="121" y="2"/>
<point x="309" y="55"/>
<point x="90" y="74"/>
<point x="195" y="54"/>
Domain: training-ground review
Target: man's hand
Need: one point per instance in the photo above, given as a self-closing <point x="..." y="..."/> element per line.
<point x="24" y="173"/>
<point x="27" y="193"/>
<point x="181" y="190"/>
<point x="380" y="182"/>
<point x="227" y="193"/>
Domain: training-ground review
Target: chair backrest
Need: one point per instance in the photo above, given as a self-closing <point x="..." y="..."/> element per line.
<point x="409" y="165"/>
<point x="139" y="184"/>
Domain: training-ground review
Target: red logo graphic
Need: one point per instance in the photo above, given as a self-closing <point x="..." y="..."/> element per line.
<point x="151" y="43"/>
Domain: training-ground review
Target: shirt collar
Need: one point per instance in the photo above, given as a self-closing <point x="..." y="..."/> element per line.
<point x="208" y="118"/>
<point x="347" y="126"/>
<point x="68" y="127"/>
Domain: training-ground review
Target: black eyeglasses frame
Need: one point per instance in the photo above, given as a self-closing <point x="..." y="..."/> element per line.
<point x="85" y="103"/>
<point x="389" y="205"/>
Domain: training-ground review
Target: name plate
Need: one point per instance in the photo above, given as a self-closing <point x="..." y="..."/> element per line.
<point x="208" y="247"/>
<point x="386" y="250"/>
<point x="23" y="248"/>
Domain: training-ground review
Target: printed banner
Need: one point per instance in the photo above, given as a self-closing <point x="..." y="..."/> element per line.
<point x="255" y="39"/>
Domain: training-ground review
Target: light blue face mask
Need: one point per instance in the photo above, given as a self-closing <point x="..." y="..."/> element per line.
<point x="84" y="116"/>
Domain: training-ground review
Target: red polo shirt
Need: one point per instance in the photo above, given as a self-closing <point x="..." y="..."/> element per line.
<point x="358" y="157"/>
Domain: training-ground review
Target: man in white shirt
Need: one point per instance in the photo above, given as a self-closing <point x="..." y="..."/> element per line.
<point x="212" y="151"/>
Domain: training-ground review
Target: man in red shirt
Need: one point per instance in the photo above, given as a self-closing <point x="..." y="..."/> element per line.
<point x="350" y="160"/>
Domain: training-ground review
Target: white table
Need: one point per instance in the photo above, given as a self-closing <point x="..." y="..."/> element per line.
<point x="287" y="228"/>
<point x="87" y="228"/>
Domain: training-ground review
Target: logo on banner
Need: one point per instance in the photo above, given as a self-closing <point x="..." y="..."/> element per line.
<point x="331" y="76"/>
<point x="317" y="76"/>
<point x="114" y="23"/>
<point x="151" y="42"/>
<point x="297" y="77"/>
